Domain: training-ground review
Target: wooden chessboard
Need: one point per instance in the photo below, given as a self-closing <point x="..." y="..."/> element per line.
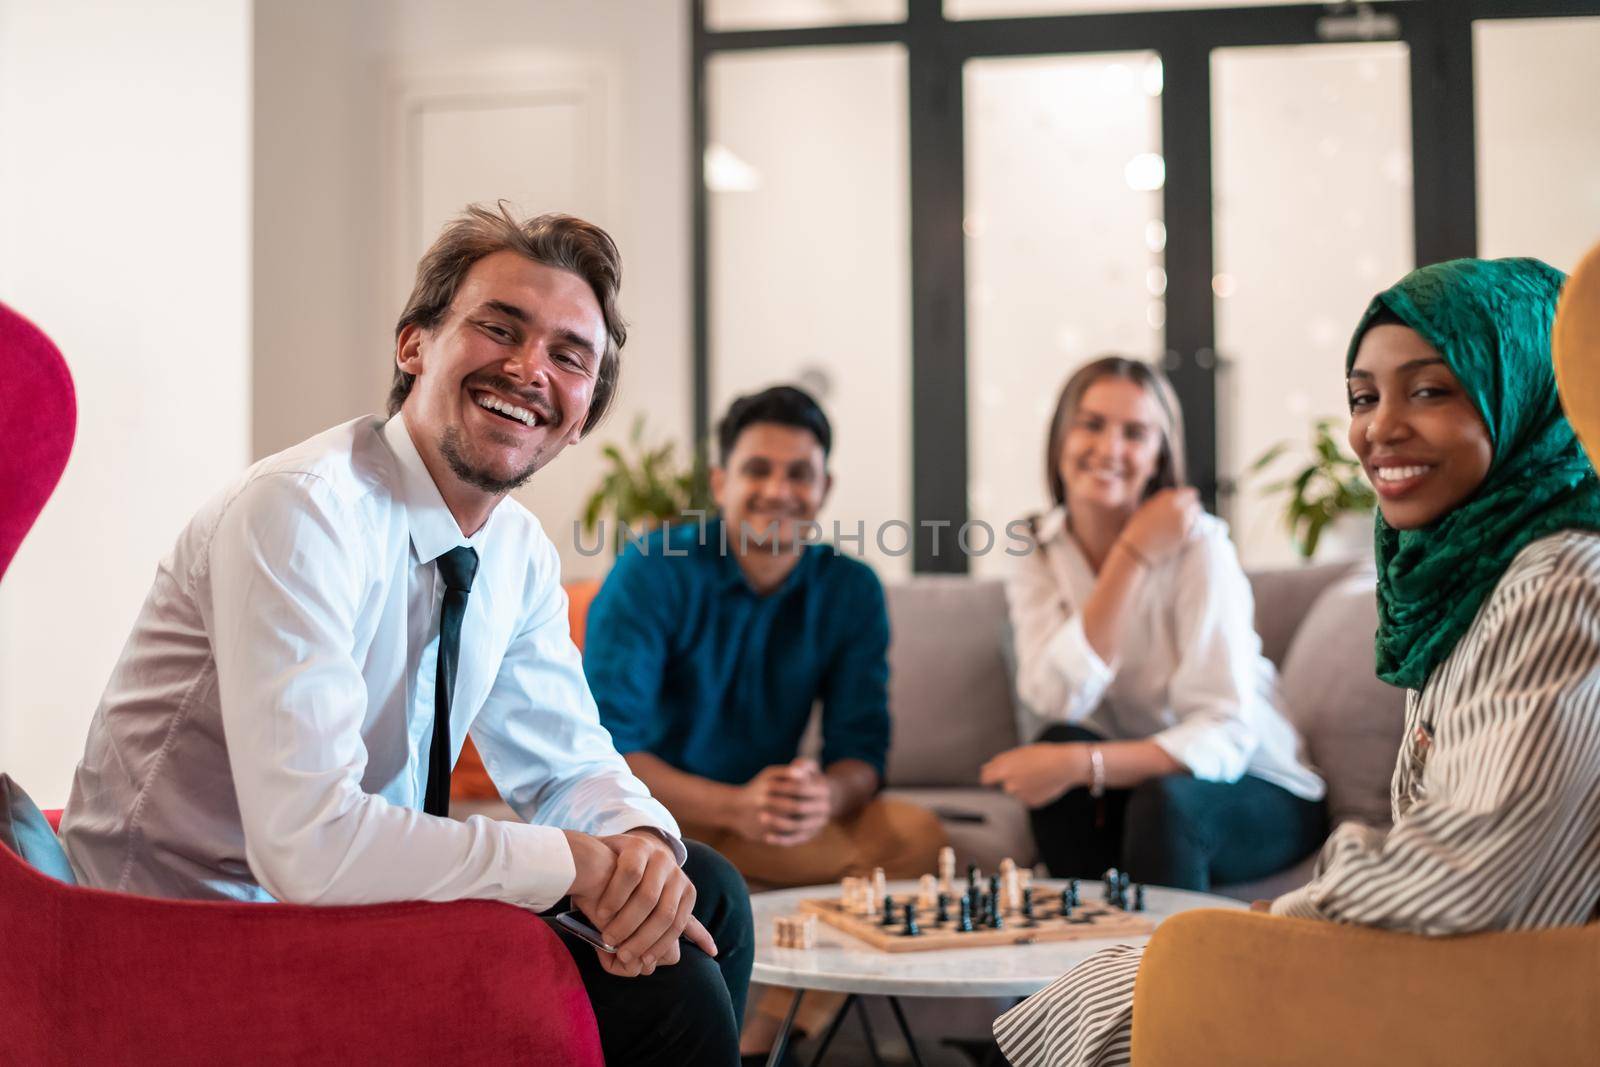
<point x="1090" y="919"/>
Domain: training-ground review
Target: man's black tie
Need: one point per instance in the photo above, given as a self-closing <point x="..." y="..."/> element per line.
<point x="457" y="567"/>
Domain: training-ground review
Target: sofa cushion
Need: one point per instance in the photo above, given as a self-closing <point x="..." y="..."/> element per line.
<point x="1352" y="722"/>
<point x="25" y="831"/>
<point x="1283" y="595"/>
<point x="950" y="693"/>
<point x="984" y="826"/>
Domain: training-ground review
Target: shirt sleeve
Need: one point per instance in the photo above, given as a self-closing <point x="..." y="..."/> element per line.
<point x="1219" y="655"/>
<point x="1059" y="674"/>
<point x="286" y="584"/>
<point x="625" y="651"/>
<point x="540" y="735"/>
<point x="1512" y="774"/>
<point x="855" y="692"/>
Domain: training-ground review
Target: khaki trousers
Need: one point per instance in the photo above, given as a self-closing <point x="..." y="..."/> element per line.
<point x="902" y="838"/>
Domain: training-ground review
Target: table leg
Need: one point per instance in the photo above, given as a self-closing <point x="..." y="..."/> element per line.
<point x="866" y="1028"/>
<point x="833" y="1028"/>
<point x="905" y="1031"/>
<point x="782" y="1042"/>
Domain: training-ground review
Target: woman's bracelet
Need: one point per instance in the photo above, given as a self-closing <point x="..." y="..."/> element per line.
<point x="1097" y="772"/>
<point x="1139" y="557"/>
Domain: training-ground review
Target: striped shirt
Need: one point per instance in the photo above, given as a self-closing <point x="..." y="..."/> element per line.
<point x="1496" y="798"/>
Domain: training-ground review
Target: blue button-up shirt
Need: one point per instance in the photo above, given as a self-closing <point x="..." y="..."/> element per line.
<point x="690" y="664"/>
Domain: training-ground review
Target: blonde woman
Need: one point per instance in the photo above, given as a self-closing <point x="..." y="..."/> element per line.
<point x="1167" y="754"/>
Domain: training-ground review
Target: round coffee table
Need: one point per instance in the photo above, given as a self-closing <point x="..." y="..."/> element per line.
<point x="840" y="963"/>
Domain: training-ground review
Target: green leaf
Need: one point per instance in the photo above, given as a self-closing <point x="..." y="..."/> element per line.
<point x="1270" y="456"/>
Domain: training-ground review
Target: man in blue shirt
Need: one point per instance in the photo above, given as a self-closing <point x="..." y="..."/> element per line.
<point x="709" y="645"/>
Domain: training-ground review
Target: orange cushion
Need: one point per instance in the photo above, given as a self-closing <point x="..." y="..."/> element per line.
<point x="469" y="781"/>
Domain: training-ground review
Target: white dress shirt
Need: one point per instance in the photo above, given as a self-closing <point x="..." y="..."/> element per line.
<point x="266" y="731"/>
<point x="1190" y="675"/>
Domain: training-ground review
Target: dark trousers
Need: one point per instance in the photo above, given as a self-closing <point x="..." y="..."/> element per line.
<point x="1177" y="830"/>
<point x="689" y="1013"/>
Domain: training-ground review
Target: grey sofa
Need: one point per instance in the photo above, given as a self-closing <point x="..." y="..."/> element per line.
<point x="953" y="702"/>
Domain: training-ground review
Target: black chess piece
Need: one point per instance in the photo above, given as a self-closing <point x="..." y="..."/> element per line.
<point x="888" y="910"/>
<point x="1138" y="897"/>
<point x="1069" y="901"/>
<point x="943" y="914"/>
<point x="1072" y="891"/>
<point x="965" y="925"/>
<point x="912" y="929"/>
<point x="1109" y="887"/>
<point x="997" y="921"/>
<point x="1027" y="906"/>
<point x="972" y="876"/>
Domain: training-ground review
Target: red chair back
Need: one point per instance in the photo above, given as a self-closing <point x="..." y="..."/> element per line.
<point x="38" y="416"/>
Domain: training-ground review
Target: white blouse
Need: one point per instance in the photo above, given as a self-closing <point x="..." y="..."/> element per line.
<point x="1190" y="676"/>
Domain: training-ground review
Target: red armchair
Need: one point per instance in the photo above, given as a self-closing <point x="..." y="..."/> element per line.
<point x="88" y="976"/>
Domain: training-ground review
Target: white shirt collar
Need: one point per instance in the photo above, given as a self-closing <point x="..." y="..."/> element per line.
<point x="434" y="530"/>
<point x="1051" y="524"/>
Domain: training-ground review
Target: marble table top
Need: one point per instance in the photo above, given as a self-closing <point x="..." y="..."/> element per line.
<point x="842" y="964"/>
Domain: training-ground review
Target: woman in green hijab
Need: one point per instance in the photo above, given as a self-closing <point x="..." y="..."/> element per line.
<point x="1489" y="613"/>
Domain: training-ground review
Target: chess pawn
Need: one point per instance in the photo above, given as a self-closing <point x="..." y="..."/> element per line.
<point x="879" y="884"/>
<point x="965" y="925"/>
<point x="888" y="911"/>
<point x="1069" y="900"/>
<point x="911" y="928"/>
<point x="929" y="891"/>
<point x="994" y="893"/>
<point x="1013" y="891"/>
<point x="1027" y="905"/>
<point x="1138" y="897"/>
<point x="942" y="916"/>
<point x="1072" y="891"/>
<point x="947" y="869"/>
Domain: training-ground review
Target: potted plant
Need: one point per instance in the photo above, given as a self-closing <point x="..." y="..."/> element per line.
<point x="643" y="486"/>
<point x="1331" y="486"/>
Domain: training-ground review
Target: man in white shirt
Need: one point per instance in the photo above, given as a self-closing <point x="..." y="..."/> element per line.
<point x="312" y="654"/>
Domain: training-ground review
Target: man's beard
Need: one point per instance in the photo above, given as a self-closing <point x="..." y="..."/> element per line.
<point x="450" y="449"/>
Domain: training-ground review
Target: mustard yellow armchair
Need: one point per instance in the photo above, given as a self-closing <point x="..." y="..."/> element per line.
<point x="1241" y="989"/>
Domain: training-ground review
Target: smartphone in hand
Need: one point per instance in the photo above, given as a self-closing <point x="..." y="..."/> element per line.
<point x="575" y="922"/>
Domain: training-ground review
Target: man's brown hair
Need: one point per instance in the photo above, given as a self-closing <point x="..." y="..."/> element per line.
<point x="554" y="240"/>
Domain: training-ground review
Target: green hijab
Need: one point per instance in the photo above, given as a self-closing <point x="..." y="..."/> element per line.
<point x="1490" y="320"/>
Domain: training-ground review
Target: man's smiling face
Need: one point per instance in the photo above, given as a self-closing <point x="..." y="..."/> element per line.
<point x="506" y="378"/>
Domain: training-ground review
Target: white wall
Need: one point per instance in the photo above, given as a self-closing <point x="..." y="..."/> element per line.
<point x="124" y="233"/>
<point x="320" y="343"/>
<point x="333" y="255"/>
